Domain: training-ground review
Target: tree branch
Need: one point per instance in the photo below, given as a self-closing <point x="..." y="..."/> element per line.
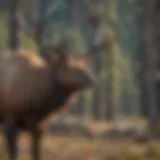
<point x="40" y="22"/>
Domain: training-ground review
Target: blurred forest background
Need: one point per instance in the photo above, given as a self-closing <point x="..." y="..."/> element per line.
<point x="126" y="61"/>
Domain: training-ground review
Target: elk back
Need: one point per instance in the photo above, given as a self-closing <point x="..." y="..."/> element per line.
<point x="25" y="78"/>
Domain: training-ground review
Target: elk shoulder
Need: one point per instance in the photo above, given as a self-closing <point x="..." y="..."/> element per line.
<point x="24" y="79"/>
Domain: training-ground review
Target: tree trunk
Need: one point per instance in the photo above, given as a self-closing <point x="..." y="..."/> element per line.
<point x="110" y="98"/>
<point x="14" y="24"/>
<point x="94" y="49"/>
<point x="150" y="65"/>
<point x="97" y="90"/>
<point x="150" y="62"/>
<point x="80" y="106"/>
<point x="112" y="53"/>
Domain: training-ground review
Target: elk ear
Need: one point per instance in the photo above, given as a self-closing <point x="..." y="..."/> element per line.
<point x="47" y="52"/>
<point x="61" y="52"/>
<point x="62" y="59"/>
<point x="57" y="58"/>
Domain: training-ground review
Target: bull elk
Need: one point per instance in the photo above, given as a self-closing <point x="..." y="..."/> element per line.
<point x="32" y="87"/>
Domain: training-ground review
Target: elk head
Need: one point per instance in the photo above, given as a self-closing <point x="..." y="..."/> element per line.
<point x="73" y="72"/>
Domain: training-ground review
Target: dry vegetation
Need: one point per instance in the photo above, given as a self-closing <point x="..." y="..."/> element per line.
<point x="74" y="148"/>
<point x="59" y="148"/>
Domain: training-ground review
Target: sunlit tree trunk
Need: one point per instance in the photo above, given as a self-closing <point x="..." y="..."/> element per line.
<point x="95" y="23"/>
<point x="95" y="51"/>
<point x="112" y="53"/>
<point x="97" y="90"/>
<point x="80" y="105"/>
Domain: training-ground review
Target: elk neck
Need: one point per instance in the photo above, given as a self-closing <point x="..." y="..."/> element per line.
<point x="57" y="97"/>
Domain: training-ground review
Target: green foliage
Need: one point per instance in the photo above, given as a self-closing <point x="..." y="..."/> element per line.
<point x="3" y="31"/>
<point x="57" y="30"/>
<point x="121" y="36"/>
<point x="112" y="57"/>
<point x="27" y="42"/>
<point x="76" y="44"/>
<point x="127" y="77"/>
<point x="157" y="76"/>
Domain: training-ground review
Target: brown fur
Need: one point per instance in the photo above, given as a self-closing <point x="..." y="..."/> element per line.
<point x="21" y="75"/>
<point x="25" y="76"/>
<point x="31" y="88"/>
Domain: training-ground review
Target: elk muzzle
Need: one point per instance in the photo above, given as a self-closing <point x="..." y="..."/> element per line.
<point x="89" y="79"/>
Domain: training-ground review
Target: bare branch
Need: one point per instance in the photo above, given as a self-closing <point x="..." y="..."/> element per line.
<point x="96" y="21"/>
<point x="37" y="32"/>
<point x="94" y="17"/>
<point x="52" y="8"/>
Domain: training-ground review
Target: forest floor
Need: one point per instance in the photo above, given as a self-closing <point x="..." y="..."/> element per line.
<point x="65" y="148"/>
<point x="81" y="148"/>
